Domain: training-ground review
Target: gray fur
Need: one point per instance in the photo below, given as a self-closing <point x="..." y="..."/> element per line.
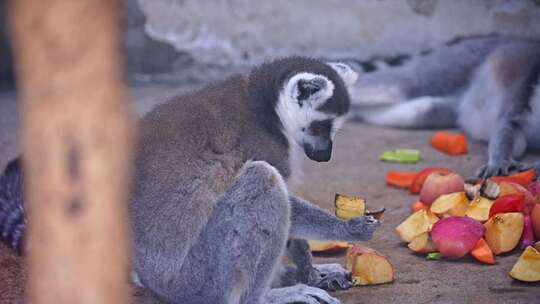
<point x="487" y="86"/>
<point x="329" y="277"/>
<point x="210" y="211"/>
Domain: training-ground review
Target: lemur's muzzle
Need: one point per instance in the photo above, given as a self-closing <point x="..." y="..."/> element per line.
<point x="321" y="151"/>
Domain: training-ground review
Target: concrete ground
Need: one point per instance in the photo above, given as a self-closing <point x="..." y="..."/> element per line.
<point x="354" y="170"/>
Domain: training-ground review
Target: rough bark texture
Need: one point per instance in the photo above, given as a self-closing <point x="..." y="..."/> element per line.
<point x="77" y="148"/>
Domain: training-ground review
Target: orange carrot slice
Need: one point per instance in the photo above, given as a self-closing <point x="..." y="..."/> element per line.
<point x="482" y="253"/>
<point x="400" y="179"/>
<point x="418" y="205"/>
<point x="527" y="176"/>
<point x="450" y="143"/>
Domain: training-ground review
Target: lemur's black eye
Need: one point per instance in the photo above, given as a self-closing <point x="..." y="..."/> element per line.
<point x="303" y="129"/>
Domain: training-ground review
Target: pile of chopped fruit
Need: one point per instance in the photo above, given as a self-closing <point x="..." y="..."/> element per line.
<point x="453" y="218"/>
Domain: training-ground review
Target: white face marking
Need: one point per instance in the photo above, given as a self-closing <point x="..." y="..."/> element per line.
<point x="296" y="117"/>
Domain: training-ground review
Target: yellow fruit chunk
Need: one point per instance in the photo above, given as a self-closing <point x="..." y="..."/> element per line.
<point x="368" y="267"/>
<point x="503" y="231"/>
<point x="527" y="268"/>
<point x="416" y="224"/>
<point x="479" y="209"/>
<point x="327" y="246"/>
<point x="348" y="207"/>
<point x="453" y="204"/>
<point x="432" y="219"/>
<point x="422" y="244"/>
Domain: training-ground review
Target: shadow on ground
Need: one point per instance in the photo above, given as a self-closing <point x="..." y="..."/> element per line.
<point x="354" y="170"/>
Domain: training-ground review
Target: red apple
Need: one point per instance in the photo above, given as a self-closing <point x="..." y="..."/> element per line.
<point x="535" y="219"/>
<point x="534" y="189"/>
<point x="420" y="178"/>
<point x="513" y="188"/>
<point x="455" y="236"/>
<point x="437" y="184"/>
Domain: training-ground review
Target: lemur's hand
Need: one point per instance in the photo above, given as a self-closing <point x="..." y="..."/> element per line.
<point x="362" y="228"/>
<point x="502" y="168"/>
<point x="330" y="277"/>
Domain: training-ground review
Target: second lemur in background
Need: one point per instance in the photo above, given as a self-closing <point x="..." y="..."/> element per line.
<point x="488" y="86"/>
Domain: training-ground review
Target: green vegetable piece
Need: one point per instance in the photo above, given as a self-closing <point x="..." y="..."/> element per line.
<point x="434" y="256"/>
<point x="401" y="156"/>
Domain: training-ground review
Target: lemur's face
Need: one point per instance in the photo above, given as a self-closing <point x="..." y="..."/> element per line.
<point x="312" y="108"/>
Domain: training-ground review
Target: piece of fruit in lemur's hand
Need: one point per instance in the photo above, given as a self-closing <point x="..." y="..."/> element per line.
<point x="348" y="207"/>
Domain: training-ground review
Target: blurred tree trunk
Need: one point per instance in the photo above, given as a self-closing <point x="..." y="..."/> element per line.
<point x="77" y="148"/>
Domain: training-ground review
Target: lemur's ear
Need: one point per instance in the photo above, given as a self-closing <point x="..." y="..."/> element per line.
<point x="309" y="88"/>
<point x="348" y="75"/>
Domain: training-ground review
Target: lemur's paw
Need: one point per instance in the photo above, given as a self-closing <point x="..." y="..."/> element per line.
<point x="331" y="277"/>
<point x="502" y="168"/>
<point x="362" y="228"/>
<point x="299" y="293"/>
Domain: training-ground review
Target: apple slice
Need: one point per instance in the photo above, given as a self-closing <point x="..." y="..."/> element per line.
<point x="327" y="246"/>
<point x="416" y="224"/>
<point x="479" y="209"/>
<point x="503" y="231"/>
<point x="527" y="268"/>
<point x="437" y="184"/>
<point x="454" y="204"/>
<point x="368" y="267"/>
<point x="348" y="207"/>
<point x="422" y="244"/>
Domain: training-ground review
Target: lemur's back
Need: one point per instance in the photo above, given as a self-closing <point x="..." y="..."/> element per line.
<point x="190" y="150"/>
<point x="185" y="160"/>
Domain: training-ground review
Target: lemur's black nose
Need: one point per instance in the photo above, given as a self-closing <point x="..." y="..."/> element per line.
<point x="319" y="152"/>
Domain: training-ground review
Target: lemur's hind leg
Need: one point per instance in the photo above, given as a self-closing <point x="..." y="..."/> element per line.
<point x="421" y="112"/>
<point x="512" y="69"/>
<point x="235" y="256"/>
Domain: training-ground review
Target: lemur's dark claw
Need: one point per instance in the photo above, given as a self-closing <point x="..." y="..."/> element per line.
<point x="502" y="168"/>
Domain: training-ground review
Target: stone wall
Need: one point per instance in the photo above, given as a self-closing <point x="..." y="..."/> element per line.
<point x="189" y="40"/>
<point x="237" y="32"/>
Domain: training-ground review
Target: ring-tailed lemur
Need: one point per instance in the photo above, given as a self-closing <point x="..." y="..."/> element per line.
<point x="488" y="86"/>
<point x="210" y="211"/>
